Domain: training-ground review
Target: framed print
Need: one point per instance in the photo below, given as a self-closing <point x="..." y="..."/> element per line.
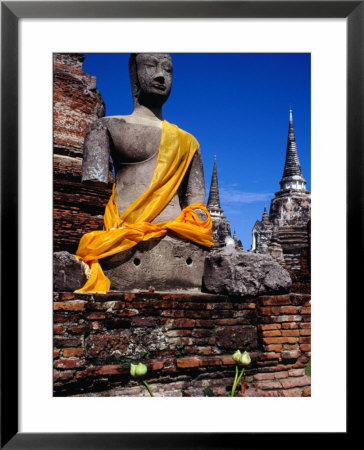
<point x="26" y="140"/>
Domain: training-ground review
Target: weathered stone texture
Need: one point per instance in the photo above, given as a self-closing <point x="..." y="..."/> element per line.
<point x="68" y="272"/>
<point x="290" y="209"/>
<point x="232" y="272"/>
<point x="168" y="264"/>
<point x="76" y="104"/>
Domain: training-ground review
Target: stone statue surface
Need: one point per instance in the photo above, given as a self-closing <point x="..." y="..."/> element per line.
<point x="133" y="142"/>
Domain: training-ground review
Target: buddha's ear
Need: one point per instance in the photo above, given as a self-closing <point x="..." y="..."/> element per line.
<point x="133" y="75"/>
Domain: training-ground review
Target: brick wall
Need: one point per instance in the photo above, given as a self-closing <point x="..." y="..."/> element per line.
<point x="186" y="341"/>
<point x="77" y="209"/>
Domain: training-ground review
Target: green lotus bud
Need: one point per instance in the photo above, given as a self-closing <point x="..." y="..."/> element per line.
<point x="237" y="356"/>
<point x="132" y="370"/>
<point x="245" y="359"/>
<point x="141" y="370"/>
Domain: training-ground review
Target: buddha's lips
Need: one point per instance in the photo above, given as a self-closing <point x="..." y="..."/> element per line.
<point x="159" y="86"/>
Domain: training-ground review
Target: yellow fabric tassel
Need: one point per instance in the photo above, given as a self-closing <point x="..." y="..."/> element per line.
<point x="120" y="233"/>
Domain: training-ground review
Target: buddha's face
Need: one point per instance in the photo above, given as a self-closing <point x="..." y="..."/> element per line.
<point x="154" y="77"/>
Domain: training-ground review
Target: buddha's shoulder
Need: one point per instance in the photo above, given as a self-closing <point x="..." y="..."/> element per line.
<point x="183" y="133"/>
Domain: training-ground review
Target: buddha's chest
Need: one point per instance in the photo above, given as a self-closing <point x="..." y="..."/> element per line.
<point x="133" y="143"/>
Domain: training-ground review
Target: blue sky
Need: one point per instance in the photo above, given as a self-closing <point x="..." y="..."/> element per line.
<point x="237" y="106"/>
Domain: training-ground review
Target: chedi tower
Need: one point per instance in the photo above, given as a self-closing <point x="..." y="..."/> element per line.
<point x="290" y="211"/>
<point x="220" y="225"/>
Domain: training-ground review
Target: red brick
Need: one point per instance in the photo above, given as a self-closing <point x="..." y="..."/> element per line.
<point x="226" y="322"/>
<point x="204" y="323"/>
<point x="156" y="365"/>
<point x="306" y="310"/>
<point x="275" y="300"/>
<point x="178" y="333"/>
<point x="289" y="326"/>
<point x="108" y="370"/>
<point x="250" y="305"/>
<point x="290" y="333"/>
<point x="144" y="321"/>
<point x="74" y="363"/>
<point x="291" y="393"/>
<point x="67" y="296"/>
<point x="270" y="326"/>
<point x="269" y="385"/>
<point x="305" y="347"/>
<point x="55" y="376"/>
<point x="226" y="359"/>
<point x="210" y="361"/>
<point x="57" y="330"/>
<point x="69" y="352"/>
<point x="296" y="372"/>
<point x="205" y="350"/>
<point x="306" y="392"/>
<point x="305" y="340"/>
<point x="95" y="316"/>
<point x="273" y="348"/>
<point x="296" y="382"/>
<point x="268" y="356"/>
<point x="305" y="325"/>
<point x="127" y="312"/>
<point x="287" y="318"/>
<point x="186" y="363"/>
<point x="64" y="341"/>
<point x="78" y="329"/>
<point x="305" y="332"/>
<point x="289" y="310"/>
<point x="269" y="310"/>
<point x="183" y="323"/>
<point x="56" y="353"/>
<point x="60" y="317"/>
<point x="66" y="376"/>
<point x="263" y="376"/>
<point x="129" y="296"/>
<point x="272" y="333"/>
<point x="75" y="305"/>
<point x="291" y="354"/>
<point x="280" y="375"/>
<point x="280" y="340"/>
<point x="177" y="313"/>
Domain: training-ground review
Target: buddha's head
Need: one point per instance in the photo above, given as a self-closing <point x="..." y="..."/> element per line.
<point x="150" y="78"/>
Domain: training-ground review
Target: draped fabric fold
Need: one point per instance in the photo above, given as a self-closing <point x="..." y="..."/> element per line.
<point x="121" y="233"/>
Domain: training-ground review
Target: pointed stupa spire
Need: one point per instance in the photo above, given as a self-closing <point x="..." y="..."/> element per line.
<point x="265" y="217"/>
<point x="292" y="176"/>
<point x="213" y="203"/>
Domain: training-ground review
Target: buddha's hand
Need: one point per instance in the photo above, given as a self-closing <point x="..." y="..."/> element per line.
<point x="201" y="214"/>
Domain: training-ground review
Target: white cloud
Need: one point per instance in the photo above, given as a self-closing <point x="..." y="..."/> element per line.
<point x="232" y="195"/>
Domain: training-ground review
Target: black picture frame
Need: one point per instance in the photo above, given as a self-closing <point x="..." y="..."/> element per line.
<point x="11" y="12"/>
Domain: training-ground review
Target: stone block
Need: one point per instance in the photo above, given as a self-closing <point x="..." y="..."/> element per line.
<point x="166" y="264"/>
<point x="68" y="272"/>
<point x="232" y="272"/>
<point x="237" y="337"/>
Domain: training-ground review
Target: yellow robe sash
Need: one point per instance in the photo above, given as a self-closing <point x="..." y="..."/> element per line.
<point x="120" y="233"/>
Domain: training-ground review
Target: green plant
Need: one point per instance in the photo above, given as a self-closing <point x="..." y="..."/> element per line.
<point x="180" y="348"/>
<point x="207" y="392"/>
<point x="146" y="354"/>
<point x="308" y="368"/>
<point x="244" y="360"/>
<point x="138" y="371"/>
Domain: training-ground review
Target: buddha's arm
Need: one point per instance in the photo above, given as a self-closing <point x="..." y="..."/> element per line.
<point x="192" y="189"/>
<point x="96" y="153"/>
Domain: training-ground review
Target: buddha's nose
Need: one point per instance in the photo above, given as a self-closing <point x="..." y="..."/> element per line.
<point x="159" y="77"/>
